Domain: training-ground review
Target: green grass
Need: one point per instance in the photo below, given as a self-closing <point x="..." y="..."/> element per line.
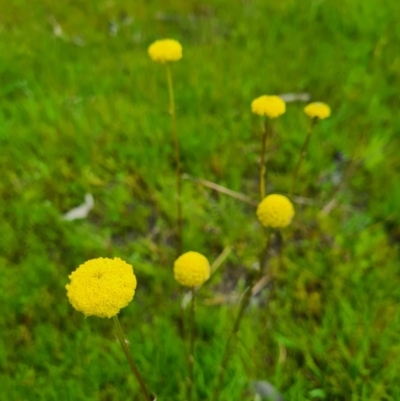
<point x="86" y="111"/>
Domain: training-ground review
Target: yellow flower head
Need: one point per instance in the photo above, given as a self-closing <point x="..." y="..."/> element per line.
<point x="165" y="50"/>
<point x="275" y="211"/>
<point x="318" y="110"/>
<point x="191" y="269"/>
<point x="101" y="287"/>
<point x="270" y="106"/>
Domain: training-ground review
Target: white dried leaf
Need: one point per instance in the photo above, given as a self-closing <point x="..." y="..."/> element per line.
<point x="186" y="299"/>
<point x="295" y="97"/>
<point x="81" y="211"/>
<point x="266" y="391"/>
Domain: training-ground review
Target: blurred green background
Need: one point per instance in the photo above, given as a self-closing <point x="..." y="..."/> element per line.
<point x="84" y="110"/>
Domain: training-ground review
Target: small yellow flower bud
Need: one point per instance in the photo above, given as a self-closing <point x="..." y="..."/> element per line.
<point x="275" y="211"/>
<point x="191" y="269"/>
<point x="318" y="110"/>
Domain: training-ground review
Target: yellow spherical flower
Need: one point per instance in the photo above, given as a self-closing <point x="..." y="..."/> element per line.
<point x="270" y="106"/>
<point x="275" y="211"/>
<point x="101" y="287"/>
<point x="165" y="50"/>
<point x="318" y="110"/>
<point x="191" y="269"/>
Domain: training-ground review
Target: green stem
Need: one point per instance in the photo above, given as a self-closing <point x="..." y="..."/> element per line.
<point x="262" y="159"/>
<point x="191" y="345"/>
<point x="302" y="153"/>
<point x="281" y="247"/>
<point x="177" y="161"/>
<point x="242" y="308"/>
<point x="132" y="364"/>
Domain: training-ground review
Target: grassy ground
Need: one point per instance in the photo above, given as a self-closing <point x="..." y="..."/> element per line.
<point x="83" y="109"/>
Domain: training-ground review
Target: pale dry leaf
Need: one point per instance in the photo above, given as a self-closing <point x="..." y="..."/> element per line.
<point x="81" y="211"/>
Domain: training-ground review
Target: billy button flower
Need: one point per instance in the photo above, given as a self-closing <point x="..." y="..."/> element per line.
<point x="165" y="51"/>
<point x="102" y="287"/>
<point x="275" y="211"/>
<point x="270" y="107"/>
<point x="316" y="111"/>
<point x="192" y="270"/>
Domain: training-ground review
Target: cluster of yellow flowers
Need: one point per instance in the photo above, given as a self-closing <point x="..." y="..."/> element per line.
<point x="102" y="287"/>
<point x="274" y="106"/>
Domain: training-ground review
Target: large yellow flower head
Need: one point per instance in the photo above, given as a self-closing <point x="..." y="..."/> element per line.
<point x="101" y="287"/>
<point x="270" y="106"/>
<point x="318" y="110"/>
<point x="165" y="50"/>
<point x="191" y="269"/>
<point x="275" y="211"/>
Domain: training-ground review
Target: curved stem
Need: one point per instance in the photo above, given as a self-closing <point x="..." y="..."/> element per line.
<point x="177" y="161"/>
<point x="132" y="364"/>
<point x="302" y="153"/>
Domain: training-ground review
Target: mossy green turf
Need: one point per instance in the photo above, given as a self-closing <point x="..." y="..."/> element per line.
<point x="83" y="109"/>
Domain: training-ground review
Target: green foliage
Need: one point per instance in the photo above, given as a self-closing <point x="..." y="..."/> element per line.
<point x="83" y="109"/>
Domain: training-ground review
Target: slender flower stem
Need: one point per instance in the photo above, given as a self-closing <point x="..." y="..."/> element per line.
<point x="177" y="161"/>
<point x="244" y="302"/>
<point x="191" y="345"/>
<point x="302" y="153"/>
<point x="262" y="159"/>
<point x="281" y="247"/>
<point x="132" y="364"/>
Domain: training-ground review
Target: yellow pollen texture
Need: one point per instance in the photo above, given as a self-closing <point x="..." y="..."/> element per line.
<point x="270" y="106"/>
<point x="191" y="269"/>
<point x="165" y="50"/>
<point x="275" y="211"/>
<point x="101" y="287"/>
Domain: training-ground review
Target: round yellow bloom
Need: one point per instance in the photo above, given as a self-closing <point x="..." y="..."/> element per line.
<point x="275" y="211"/>
<point x="318" y="110"/>
<point x="165" y="50"/>
<point x="270" y="106"/>
<point x="101" y="287"/>
<point x="191" y="269"/>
